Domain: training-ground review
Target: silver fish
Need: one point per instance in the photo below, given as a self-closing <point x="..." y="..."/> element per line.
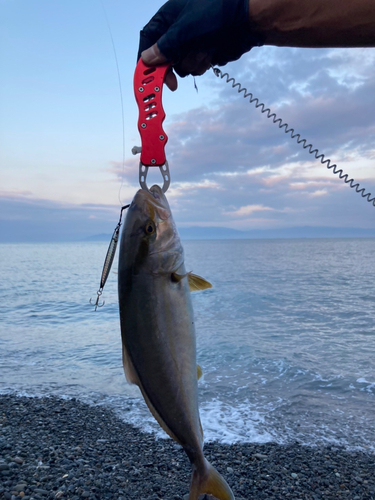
<point x="157" y="329"/>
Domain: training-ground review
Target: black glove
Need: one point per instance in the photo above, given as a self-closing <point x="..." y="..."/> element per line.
<point x="220" y="28"/>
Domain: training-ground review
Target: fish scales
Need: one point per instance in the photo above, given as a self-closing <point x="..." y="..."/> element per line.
<point x="157" y="329"/>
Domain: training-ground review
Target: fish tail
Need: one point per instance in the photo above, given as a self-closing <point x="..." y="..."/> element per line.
<point x="209" y="481"/>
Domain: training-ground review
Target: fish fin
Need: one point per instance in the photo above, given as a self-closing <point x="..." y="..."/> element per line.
<point x="209" y="481"/>
<point x="132" y="378"/>
<point x="199" y="372"/>
<point x="156" y="416"/>
<point x="201" y="428"/>
<point x="130" y="373"/>
<point x="176" y="278"/>
<point x="197" y="283"/>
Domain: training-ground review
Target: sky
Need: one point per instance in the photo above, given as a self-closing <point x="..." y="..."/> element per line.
<point x="66" y="165"/>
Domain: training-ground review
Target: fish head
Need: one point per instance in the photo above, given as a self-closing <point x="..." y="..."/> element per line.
<point x="150" y="239"/>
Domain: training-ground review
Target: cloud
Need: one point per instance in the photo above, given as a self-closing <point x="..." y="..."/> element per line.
<point x="127" y="171"/>
<point x="318" y="193"/>
<point x="249" y="210"/>
<point x="232" y="166"/>
<point x="309" y="90"/>
<point x="25" y="219"/>
<point x="231" y="152"/>
<point x="326" y="95"/>
<point x="15" y="193"/>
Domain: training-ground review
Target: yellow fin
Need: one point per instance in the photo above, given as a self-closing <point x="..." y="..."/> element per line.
<point x="211" y="482"/>
<point x="132" y="378"/>
<point x="130" y="373"/>
<point x="199" y="372"/>
<point x="197" y="283"/>
<point x="157" y="416"/>
<point x="201" y="428"/>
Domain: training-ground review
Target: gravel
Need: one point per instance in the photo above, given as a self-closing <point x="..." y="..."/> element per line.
<point x="57" y="448"/>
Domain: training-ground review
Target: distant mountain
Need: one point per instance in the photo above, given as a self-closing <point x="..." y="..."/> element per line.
<point x="292" y="232"/>
<point x="225" y="233"/>
<point x="210" y="233"/>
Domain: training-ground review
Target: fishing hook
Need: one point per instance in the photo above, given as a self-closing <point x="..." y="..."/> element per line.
<point x="99" y="292"/>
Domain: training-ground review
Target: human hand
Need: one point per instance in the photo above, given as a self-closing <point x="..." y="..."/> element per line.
<point x="195" y="34"/>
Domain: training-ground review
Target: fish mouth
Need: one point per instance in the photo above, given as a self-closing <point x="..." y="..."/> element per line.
<point x="153" y="206"/>
<point x="152" y="203"/>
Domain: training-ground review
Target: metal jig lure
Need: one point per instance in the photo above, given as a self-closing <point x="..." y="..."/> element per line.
<point x="109" y="260"/>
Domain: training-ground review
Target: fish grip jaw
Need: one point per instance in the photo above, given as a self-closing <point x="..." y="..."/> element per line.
<point x="164" y="170"/>
<point x="148" y="90"/>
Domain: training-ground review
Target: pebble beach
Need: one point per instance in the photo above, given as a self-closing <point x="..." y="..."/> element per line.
<point x="54" y="448"/>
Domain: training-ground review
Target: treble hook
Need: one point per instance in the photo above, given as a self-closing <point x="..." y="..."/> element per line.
<point x="99" y="292"/>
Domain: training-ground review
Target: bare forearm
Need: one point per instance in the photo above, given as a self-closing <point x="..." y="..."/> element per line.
<point x="314" y="23"/>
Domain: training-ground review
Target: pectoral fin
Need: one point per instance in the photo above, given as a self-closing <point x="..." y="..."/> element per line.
<point x="199" y="372"/>
<point x="176" y="278"/>
<point x="197" y="283"/>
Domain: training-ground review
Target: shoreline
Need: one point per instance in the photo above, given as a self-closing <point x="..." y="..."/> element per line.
<point x="56" y="448"/>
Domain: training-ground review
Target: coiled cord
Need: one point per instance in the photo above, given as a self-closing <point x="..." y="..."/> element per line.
<point x="294" y="135"/>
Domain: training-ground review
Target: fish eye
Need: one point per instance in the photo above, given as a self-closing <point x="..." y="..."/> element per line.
<point x="150" y="228"/>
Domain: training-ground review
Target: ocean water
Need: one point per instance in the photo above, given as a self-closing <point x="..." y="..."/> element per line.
<point x="285" y="338"/>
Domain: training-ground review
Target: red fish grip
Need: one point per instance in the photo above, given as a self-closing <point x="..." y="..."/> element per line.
<point x="148" y="88"/>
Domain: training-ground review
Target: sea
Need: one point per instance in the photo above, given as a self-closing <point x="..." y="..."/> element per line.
<point x="285" y="338"/>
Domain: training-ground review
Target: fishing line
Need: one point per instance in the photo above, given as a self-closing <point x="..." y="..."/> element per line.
<point x="121" y="100"/>
<point x="288" y="130"/>
<point x="111" y="252"/>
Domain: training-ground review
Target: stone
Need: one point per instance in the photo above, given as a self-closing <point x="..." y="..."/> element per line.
<point x="41" y="491"/>
<point x="19" y="487"/>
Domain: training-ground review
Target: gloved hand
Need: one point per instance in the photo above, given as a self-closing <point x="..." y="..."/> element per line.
<point x="192" y="34"/>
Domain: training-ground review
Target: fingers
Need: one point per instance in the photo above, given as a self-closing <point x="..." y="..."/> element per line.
<point x="171" y="80"/>
<point x="153" y="57"/>
<point x="194" y="63"/>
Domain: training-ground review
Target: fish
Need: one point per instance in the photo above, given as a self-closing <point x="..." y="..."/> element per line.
<point x="158" y="332"/>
